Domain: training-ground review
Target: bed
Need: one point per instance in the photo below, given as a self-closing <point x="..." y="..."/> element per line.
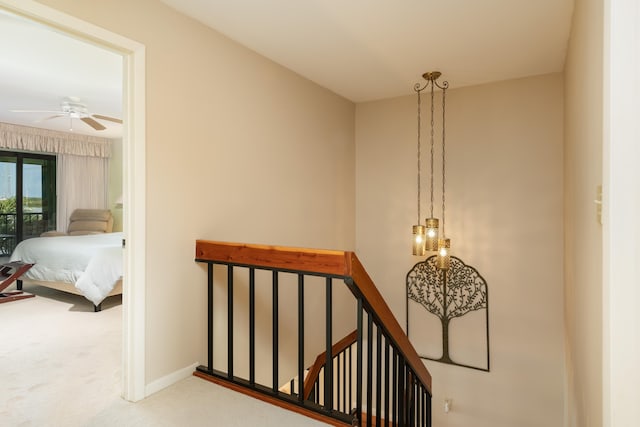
<point x="88" y="265"/>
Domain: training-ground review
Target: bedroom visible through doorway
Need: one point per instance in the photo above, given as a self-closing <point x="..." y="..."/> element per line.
<point x="133" y="185"/>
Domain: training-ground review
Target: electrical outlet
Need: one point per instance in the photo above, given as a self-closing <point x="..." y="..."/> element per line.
<point x="448" y="402"/>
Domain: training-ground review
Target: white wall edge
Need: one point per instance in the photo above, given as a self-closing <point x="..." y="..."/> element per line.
<point x="172" y="378"/>
<point x="134" y="183"/>
<point x="621" y="213"/>
<point x="134" y="226"/>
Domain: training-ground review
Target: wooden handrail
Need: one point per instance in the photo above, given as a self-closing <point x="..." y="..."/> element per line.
<point x="339" y="263"/>
<point x="314" y="371"/>
<point x="307" y="260"/>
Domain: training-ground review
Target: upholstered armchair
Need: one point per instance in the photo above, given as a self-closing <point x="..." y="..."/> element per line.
<point x="86" y="221"/>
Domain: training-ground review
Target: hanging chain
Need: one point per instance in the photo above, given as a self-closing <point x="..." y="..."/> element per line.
<point x="419" y="164"/>
<point x="444" y="92"/>
<point x="432" y="149"/>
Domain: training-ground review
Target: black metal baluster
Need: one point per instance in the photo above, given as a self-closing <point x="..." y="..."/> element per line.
<point x="252" y="326"/>
<point x="402" y="401"/>
<point x="395" y="388"/>
<point x="412" y="399"/>
<point x="409" y="388"/>
<point x="401" y="392"/>
<point x="425" y="416"/>
<point x="274" y="328"/>
<point x="336" y="384"/>
<point x="210" y="314"/>
<point x="359" y="365"/>
<point x="409" y="395"/>
<point x="230" y="322"/>
<point x="429" y="408"/>
<point x="386" y="382"/>
<point x="300" y="337"/>
<point x="416" y="402"/>
<point x="369" y="367"/>
<point x="344" y="381"/>
<point x="328" y="372"/>
<point x="347" y="408"/>
<point x="418" y="405"/>
<point x="378" y="374"/>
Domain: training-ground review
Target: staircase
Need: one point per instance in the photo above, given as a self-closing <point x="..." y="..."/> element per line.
<point x="369" y="377"/>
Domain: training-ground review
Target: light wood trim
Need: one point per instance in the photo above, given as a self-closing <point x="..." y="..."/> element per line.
<point x="314" y="371"/>
<point x="273" y="400"/>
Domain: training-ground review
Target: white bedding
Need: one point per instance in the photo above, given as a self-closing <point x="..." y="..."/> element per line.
<point x="92" y="262"/>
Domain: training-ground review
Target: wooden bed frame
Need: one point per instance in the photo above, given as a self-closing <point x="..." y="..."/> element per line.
<point x="69" y="288"/>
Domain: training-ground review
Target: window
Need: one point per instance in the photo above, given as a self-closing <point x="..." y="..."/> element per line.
<point x="27" y="197"/>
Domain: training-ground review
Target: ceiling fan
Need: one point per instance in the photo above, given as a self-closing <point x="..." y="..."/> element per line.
<point x="73" y="108"/>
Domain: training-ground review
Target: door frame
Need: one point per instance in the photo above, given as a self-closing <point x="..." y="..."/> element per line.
<point x="621" y="213"/>
<point x="133" y="176"/>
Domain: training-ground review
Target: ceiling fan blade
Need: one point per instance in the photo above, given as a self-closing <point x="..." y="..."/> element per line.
<point x="35" y="111"/>
<point x="50" y="117"/>
<point x="92" y="123"/>
<point x="111" y="119"/>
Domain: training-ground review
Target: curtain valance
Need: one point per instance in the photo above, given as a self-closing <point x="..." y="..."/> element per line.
<point x="25" y="138"/>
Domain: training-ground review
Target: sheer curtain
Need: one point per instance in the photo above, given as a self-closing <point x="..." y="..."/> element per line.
<point x="82" y="183"/>
<point x="82" y="165"/>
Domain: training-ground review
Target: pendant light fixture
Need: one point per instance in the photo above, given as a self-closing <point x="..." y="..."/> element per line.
<point x="431" y="227"/>
<point x="444" y="244"/>
<point x="419" y="231"/>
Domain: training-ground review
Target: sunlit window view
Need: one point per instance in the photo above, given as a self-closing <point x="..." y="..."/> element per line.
<point x="27" y="197"/>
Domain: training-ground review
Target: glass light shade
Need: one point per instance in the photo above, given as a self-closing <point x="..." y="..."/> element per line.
<point x="444" y="254"/>
<point x="419" y="239"/>
<point x="432" y="234"/>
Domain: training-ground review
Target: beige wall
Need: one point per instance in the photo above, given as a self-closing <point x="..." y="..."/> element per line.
<point x="504" y="216"/>
<point x="583" y="232"/>
<point x="238" y="149"/>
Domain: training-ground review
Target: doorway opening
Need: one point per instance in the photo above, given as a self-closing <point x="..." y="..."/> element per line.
<point x="133" y="177"/>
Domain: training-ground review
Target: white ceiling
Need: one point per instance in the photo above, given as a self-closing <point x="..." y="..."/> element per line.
<point x="39" y="67"/>
<point x="373" y="49"/>
<point x="360" y="49"/>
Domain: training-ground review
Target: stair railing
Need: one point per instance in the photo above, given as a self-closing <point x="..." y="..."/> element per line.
<point x="390" y="385"/>
<point x="341" y="359"/>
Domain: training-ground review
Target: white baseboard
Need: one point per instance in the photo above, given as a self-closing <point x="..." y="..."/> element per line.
<point x="167" y="380"/>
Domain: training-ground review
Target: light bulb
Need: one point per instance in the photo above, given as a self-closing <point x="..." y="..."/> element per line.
<point x="418" y="240"/>
<point x="444" y="257"/>
<point x="432" y="234"/>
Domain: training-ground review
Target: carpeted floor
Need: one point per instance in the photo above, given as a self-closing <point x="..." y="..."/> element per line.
<point x="60" y="365"/>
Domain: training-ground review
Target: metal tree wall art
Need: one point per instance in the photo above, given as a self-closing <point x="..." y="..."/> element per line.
<point x="448" y="294"/>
